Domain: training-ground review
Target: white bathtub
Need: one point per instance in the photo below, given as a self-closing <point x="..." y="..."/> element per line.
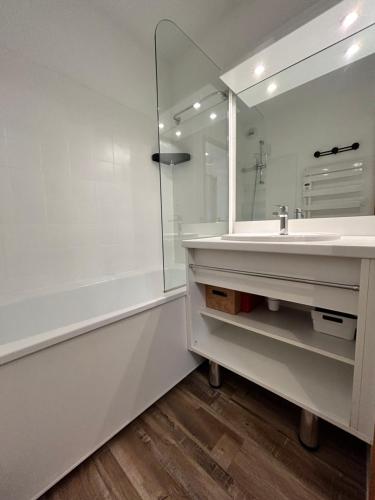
<point x="76" y="367"/>
<point x="31" y="324"/>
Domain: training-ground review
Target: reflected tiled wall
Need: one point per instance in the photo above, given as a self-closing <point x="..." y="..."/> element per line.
<point x="79" y="199"/>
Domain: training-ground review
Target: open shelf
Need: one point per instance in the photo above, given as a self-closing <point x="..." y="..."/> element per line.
<point x="292" y="326"/>
<point x="321" y="385"/>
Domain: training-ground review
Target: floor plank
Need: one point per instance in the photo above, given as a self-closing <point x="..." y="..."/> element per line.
<point x="134" y="452"/>
<point x="265" y="479"/>
<point x="194" y="479"/>
<point x="191" y="448"/>
<point x="114" y="477"/>
<point x="236" y="442"/>
<point x="84" y="482"/>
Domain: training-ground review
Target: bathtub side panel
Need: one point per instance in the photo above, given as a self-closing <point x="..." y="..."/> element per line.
<point x="60" y="404"/>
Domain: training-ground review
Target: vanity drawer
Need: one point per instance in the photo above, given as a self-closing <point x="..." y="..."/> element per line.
<point x="332" y="283"/>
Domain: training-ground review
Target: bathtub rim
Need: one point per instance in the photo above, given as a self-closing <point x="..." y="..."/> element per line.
<point x="11" y="351"/>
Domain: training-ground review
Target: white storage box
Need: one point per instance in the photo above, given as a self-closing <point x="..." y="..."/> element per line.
<point x="334" y="323"/>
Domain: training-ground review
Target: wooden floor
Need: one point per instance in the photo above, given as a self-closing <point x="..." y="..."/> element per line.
<point x="237" y="442"/>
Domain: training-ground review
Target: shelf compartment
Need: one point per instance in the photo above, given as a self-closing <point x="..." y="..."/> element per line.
<point x="316" y="383"/>
<point x="291" y="326"/>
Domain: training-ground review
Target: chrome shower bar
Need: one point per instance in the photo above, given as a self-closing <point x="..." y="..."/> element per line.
<point x="221" y="93"/>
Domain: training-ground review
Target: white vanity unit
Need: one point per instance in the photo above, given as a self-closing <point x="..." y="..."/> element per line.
<point x="330" y="377"/>
<point x="301" y="146"/>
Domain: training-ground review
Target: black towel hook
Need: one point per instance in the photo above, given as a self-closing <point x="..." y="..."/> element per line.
<point x="335" y="150"/>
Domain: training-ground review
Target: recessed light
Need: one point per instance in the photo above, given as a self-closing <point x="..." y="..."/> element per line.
<point x="350" y="19"/>
<point x="161" y="126"/>
<point x="196" y="105"/>
<point x="358" y="164"/>
<point x="325" y="169"/>
<point x="213" y="116"/>
<point x="271" y="88"/>
<point x="178" y="133"/>
<point x="259" y="70"/>
<point x="206" y="154"/>
<point x="352" y="50"/>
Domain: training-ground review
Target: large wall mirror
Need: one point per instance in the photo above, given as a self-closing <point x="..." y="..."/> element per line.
<point x="306" y="136"/>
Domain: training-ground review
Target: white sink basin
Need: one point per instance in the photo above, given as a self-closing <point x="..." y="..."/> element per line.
<point x="275" y="237"/>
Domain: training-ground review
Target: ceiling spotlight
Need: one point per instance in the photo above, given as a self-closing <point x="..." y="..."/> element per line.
<point x="352" y="50"/>
<point x="178" y="133"/>
<point x="350" y="19"/>
<point x="196" y="105"/>
<point x="358" y="164"/>
<point x="271" y="88"/>
<point x="213" y="116"/>
<point x="206" y="154"/>
<point x="161" y="125"/>
<point x="259" y="70"/>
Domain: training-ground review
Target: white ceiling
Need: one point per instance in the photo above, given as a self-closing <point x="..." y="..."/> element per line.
<point x="108" y="44"/>
<point x="227" y="30"/>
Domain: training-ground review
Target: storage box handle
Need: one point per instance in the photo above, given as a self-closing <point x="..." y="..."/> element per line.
<point x="332" y="318"/>
<point x="219" y="292"/>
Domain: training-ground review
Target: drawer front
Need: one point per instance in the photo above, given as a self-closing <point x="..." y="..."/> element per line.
<point x="318" y="281"/>
<point x="317" y="268"/>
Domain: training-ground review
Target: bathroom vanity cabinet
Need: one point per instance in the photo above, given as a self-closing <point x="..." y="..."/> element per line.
<point x="330" y="377"/>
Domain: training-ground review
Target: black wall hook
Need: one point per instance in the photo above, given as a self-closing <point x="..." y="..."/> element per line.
<point x="335" y="150"/>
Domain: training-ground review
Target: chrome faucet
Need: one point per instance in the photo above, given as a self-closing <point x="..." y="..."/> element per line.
<point x="283" y="216"/>
<point x="299" y="213"/>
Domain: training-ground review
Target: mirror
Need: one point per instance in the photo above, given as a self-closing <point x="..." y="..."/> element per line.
<point x="306" y="136"/>
<point x="193" y="149"/>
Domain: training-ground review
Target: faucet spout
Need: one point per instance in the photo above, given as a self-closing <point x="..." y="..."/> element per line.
<point x="284" y="217"/>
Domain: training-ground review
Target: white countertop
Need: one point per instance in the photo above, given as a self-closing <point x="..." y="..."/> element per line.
<point x="362" y="247"/>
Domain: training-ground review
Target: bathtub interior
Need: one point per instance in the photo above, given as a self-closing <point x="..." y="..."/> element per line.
<point x="31" y="316"/>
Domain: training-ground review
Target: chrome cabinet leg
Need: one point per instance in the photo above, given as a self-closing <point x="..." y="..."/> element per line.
<point x="309" y="430"/>
<point x="214" y="375"/>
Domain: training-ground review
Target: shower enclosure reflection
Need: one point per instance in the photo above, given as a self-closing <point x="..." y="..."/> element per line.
<point x="252" y="161"/>
<point x="192" y="121"/>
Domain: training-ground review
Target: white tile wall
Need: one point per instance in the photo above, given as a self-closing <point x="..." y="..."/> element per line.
<point x="79" y="195"/>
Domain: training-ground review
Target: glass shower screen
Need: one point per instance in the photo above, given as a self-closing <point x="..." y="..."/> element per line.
<point x="193" y="149"/>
